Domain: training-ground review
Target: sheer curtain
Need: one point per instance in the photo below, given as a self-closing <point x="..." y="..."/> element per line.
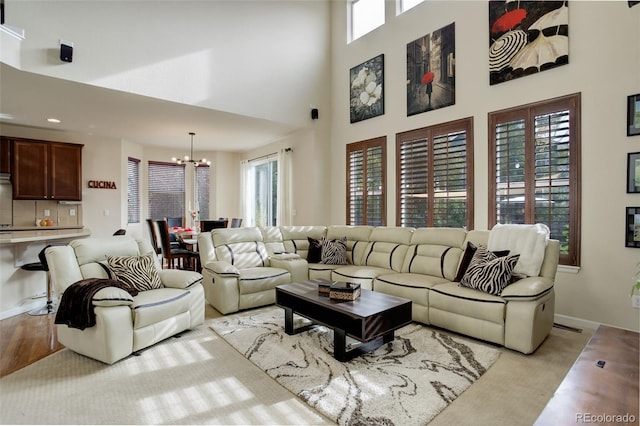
<point x="285" y="193"/>
<point x="247" y="194"/>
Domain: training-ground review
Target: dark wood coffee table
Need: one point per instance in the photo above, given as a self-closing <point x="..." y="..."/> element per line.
<point x="371" y="319"/>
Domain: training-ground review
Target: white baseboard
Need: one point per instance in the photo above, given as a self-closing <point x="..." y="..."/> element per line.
<point x="575" y="322"/>
<point x="22" y="309"/>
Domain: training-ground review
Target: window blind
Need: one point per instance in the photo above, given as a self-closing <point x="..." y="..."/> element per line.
<point x="434" y="168"/>
<point x="535" y="169"/>
<point x="166" y="190"/>
<point x="133" y="190"/>
<point x="366" y="180"/>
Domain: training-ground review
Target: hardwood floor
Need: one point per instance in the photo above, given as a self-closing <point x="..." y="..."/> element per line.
<point x="24" y="339"/>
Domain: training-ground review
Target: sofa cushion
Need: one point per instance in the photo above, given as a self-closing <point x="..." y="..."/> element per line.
<point x="137" y="271"/>
<point x="488" y="272"/>
<point x="254" y="280"/>
<point x="467" y="302"/>
<point x="529" y="241"/>
<point x="153" y="306"/>
<point x="334" y="251"/>
<point x="404" y="279"/>
<point x="295" y="239"/>
<point x="314" y="253"/>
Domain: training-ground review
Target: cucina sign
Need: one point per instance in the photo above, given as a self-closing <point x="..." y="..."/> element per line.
<point x="102" y="184"/>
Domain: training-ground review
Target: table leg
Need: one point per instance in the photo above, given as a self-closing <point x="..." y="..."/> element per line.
<point x="340" y="345"/>
<point x="288" y="321"/>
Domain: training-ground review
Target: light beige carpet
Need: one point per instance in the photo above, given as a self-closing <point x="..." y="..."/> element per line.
<point x="405" y="382"/>
<point x="200" y="379"/>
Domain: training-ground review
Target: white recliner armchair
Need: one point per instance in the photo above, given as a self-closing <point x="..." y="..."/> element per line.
<point x="124" y="324"/>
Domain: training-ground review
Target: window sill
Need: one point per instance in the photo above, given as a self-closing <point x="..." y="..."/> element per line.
<point x="568" y="269"/>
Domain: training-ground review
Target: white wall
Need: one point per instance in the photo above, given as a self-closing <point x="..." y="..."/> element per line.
<point x="604" y="64"/>
<point x="310" y="183"/>
<point x="215" y="54"/>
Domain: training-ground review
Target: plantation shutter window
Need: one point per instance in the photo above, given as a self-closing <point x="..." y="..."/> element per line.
<point x="535" y="169"/>
<point x="366" y="180"/>
<point x="435" y="175"/>
<point x="133" y="190"/>
<point x="166" y="190"/>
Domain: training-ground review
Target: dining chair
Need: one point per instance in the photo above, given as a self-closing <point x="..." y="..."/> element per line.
<point x="171" y="253"/>
<point x="208" y="225"/>
<point x="236" y="222"/>
<point x="153" y="236"/>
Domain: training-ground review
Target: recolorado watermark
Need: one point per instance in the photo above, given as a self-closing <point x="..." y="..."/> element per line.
<point x="605" y="418"/>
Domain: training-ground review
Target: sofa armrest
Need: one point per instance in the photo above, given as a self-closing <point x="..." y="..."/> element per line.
<point x="176" y="278"/>
<point x="112" y="296"/>
<point x="297" y="267"/>
<point x="284" y="256"/>
<point x="528" y="288"/>
<point x="222" y="268"/>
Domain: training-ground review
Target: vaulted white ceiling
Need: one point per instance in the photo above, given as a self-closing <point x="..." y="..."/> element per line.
<point x="238" y="73"/>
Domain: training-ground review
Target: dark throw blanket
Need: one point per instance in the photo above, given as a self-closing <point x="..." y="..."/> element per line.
<point x="76" y="307"/>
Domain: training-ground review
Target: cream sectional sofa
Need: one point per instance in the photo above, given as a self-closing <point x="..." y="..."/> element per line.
<point x="242" y="266"/>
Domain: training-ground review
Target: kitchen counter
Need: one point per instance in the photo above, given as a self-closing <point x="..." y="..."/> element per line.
<point x="41" y="234"/>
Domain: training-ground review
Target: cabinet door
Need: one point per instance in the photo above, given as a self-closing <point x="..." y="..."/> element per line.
<point x="65" y="177"/>
<point x="30" y="170"/>
<point x="5" y="155"/>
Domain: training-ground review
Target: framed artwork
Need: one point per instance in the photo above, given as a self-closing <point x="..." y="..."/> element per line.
<point x="367" y="89"/>
<point x="526" y="37"/>
<point x="632" y="228"/>
<point x="633" y="172"/>
<point x="633" y="115"/>
<point x="431" y="77"/>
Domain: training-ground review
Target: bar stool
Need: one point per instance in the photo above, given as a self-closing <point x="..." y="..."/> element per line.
<point x="49" y="308"/>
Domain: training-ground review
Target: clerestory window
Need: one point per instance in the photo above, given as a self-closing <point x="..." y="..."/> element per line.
<point x="364" y="16"/>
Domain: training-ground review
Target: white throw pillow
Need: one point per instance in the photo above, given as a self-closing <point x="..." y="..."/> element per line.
<point x="529" y="241"/>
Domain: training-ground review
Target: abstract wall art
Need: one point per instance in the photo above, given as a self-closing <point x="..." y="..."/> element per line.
<point x="526" y="37"/>
<point x="431" y="77"/>
<point x="367" y="89"/>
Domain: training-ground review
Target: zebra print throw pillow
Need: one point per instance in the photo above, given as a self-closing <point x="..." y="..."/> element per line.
<point x="488" y="272"/>
<point x="334" y="252"/>
<point x="137" y="271"/>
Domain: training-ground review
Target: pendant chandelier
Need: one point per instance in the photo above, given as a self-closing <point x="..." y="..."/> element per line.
<point x="189" y="158"/>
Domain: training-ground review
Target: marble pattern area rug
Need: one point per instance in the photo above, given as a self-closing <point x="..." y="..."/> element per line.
<point x="405" y="382"/>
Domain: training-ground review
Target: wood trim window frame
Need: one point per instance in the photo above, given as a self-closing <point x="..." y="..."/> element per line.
<point x="363" y="147"/>
<point x="570" y="246"/>
<point x="429" y="134"/>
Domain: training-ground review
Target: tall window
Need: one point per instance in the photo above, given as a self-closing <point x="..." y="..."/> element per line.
<point x="364" y="16"/>
<point x="366" y="182"/>
<point x="261" y="191"/>
<point x="166" y="190"/>
<point x="202" y="186"/>
<point x="435" y="176"/>
<point x="534" y="166"/>
<point x="133" y="190"/>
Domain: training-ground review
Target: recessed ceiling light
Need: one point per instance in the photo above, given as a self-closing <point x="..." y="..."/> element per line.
<point x="53" y="120"/>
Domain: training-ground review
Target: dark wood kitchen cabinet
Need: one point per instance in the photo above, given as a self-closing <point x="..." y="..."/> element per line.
<point x="5" y="155"/>
<point x="44" y="170"/>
